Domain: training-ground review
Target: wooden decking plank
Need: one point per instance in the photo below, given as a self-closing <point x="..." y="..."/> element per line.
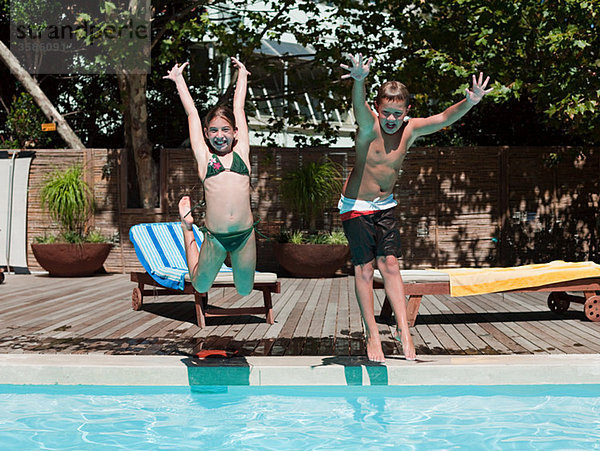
<point x="16" y="301"/>
<point x="299" y="312"/>
<point x="556" y="340"/>
<point x="490" y="335"/>
<point x="316" y="324"/>
<point x="356" y="325"/>
<point x="219" y="326"/>
<point x="56" y="305"/>
<point x="574" y="335"/>
<point x="465" y="307"/>
<point x="300" y="331"/>
<point x="330" y="319"/>
<point x="252" y="332"/>
<point x="51" y="316"/>
<point x="273" y="331"/>
<point x="119" y="330"/>
<point x="92" y="322"/>
<point x="221" y="335"/>
<point x="543" y="345"/>
<point x="314" y="317"/>
<point x="305" y="320"/>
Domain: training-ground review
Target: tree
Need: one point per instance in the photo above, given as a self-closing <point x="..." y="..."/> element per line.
<point x="40" y="98"/>
<point x="539" y="53"/>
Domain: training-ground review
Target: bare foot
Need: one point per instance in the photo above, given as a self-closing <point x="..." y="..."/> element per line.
<point x="374" y="350"/>
<point x="404" y="337"/>
<point x="185" y="213"/>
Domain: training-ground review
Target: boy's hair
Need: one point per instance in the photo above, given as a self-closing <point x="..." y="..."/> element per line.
<point x="394" y="91"/>
<point x="220" y="111"/>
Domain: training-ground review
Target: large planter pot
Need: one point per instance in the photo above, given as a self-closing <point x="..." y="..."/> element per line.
<point x="71" y="260"/>
<point x="311" y="260"/>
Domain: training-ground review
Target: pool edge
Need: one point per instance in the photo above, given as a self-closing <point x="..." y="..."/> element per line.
<point x="118" y="370"/>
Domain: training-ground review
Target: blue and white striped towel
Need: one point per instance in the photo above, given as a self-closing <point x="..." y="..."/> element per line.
<point x="160" y="249"/>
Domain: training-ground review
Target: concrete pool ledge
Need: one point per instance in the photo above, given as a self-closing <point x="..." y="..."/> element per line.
<point x="100" y="369"/>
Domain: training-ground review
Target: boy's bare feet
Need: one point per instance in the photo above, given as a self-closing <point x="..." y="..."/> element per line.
<point x="374" y="349"/>
<point x="185" y="207"/>
<point x="404" y="337"/>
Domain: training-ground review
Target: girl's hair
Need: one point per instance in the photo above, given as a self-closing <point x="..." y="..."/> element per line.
<point x="220" y="111"/>
<point x="393" y="91"/>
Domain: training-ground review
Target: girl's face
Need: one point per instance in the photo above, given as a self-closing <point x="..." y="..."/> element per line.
<point x="220" y="134"/>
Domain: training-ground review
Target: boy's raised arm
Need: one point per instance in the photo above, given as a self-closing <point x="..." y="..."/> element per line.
<point x="362" y="112"/>
<point x="431" y="124"/>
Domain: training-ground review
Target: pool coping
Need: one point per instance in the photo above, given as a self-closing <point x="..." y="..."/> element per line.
<point x="153" y="370"/>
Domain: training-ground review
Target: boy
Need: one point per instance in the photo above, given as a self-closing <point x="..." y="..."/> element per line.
<point x="367" y="203"/>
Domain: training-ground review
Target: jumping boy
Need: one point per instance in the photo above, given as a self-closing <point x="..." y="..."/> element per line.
<point x="367" y="203"/>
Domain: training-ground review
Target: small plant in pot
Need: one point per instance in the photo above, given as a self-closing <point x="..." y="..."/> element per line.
<point x="74" y="251"/>
<point x="308" y="191"/>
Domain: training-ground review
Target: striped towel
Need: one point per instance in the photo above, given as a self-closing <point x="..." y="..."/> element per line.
<point x="470" y="281"/>
<point x="161" y="251"/>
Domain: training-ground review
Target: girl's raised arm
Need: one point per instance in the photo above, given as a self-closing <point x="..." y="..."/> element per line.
<point x="239" y="101"/>
<point x="194" y="124"/>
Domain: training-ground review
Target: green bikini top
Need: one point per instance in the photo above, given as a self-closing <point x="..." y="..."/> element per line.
<point x="215" y="166"/>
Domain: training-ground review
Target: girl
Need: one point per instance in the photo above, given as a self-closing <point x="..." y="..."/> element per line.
<point x="222" y="155"/>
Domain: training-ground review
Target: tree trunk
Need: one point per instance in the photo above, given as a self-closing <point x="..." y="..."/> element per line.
<point x="135" y="123"/>
<point x="63" y="128"/>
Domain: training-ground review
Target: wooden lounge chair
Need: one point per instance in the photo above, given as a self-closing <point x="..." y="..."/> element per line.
<point x="160" y="250"/>
<point x="419" y="283"/>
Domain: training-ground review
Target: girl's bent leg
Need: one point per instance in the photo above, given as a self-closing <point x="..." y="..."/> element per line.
<point x="189" y="239"/>
<point x="211" y="258"/>
<point x="243" y="262"/>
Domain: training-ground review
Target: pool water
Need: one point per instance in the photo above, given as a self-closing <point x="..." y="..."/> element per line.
<point x="134" y="418"/>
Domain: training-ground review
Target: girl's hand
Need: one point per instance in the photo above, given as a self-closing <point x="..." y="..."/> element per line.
<point x="239" y="66"/>
<point x="359" y="69"/>
<point x="176" y="72"/>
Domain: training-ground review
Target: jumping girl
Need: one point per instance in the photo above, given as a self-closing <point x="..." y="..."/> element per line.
<point x="221" y="149"/>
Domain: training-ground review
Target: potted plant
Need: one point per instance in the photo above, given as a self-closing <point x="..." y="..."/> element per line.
<point x="74" y="251"/>
<point x="310" y="253"/>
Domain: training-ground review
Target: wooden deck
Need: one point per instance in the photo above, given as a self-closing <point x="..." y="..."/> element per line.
<point x="42" y="314"/>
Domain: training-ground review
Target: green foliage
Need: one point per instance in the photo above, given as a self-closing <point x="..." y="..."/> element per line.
<point x="303" y="237"/>
<point x="95" y="237"/>
<point x="310" y="188"/>
<point x="24" y="123"/>
<point x="68" y="199"/>
<point x="541" y="52"/>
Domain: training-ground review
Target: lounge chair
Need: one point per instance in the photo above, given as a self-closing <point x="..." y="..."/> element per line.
<point x="575" y="277"/>
<point x="160" y="250"/>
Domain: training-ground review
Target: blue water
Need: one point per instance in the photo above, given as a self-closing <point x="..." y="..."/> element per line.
<point x="134" y="418"/>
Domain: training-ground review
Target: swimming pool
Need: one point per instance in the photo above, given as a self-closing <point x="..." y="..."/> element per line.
<point x="361" y="417"/>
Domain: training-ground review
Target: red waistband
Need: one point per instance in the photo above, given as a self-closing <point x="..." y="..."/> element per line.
<point x="355" y="214"/>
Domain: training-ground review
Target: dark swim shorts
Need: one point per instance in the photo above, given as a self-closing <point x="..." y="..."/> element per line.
<point x="372" y="235"/>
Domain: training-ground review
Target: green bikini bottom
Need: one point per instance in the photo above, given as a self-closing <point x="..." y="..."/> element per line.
<point x="231" y="241"/>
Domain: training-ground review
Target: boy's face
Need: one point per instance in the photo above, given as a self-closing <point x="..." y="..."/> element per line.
<point x="391" y="115"/>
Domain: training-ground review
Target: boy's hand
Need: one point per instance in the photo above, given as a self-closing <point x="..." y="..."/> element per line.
<point x="176" y="72"/>
<point x="478" y="91"/>
<point x="239" y="66"/>
<point x="359" y="69"/>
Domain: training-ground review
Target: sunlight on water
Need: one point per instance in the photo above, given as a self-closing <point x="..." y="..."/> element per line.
<point x="299" y="418"/>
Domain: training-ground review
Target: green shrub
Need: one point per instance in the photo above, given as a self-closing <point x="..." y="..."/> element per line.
<point x="300" y="237"/>
<point x="24" y="122"/>
<point x="68" y="199"/>
<point x="310" y="189"/>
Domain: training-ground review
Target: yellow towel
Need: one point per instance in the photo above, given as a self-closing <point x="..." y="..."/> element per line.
<point x="470" y="281"/>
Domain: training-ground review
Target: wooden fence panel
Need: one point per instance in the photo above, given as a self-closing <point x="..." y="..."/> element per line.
<point x="452" y="202"/>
